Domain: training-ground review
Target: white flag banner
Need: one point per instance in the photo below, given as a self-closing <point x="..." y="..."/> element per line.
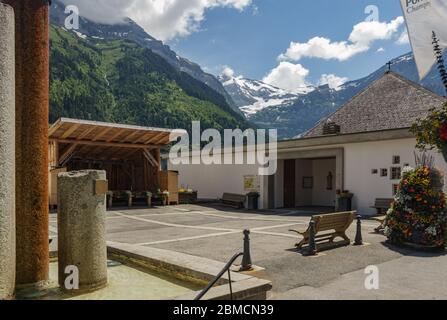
<point x="423" y="17"/>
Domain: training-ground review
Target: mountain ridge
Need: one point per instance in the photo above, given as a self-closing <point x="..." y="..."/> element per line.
<point x="298" y="114"/>
<point x="132" y="31"/>
<point x="120" y="81"/>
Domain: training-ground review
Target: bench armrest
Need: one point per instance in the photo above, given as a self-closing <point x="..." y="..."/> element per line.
<point x="296" y="231"/>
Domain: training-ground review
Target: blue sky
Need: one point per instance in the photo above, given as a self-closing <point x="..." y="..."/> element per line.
<point x="250" y="41"/>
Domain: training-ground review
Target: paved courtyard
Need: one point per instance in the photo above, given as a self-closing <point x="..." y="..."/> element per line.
<point x="216" y="233"/>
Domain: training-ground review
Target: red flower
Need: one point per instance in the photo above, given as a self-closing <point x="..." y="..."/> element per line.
<point x="443" y="132"/>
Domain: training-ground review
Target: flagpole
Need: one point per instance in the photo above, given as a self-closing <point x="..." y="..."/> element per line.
<point x="440" y="60"/>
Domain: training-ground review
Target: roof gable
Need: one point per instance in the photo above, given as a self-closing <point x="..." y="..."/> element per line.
<point x="391" y="102"/>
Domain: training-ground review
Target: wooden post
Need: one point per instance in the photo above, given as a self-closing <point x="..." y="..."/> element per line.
<point x="32" y="87"/>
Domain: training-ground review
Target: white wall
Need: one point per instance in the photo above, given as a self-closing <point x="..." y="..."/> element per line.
<point x="304" y="168"/>
<point x="320" y="195"/>
<point x="211" y="181"/>
<point x="361" y="158"/>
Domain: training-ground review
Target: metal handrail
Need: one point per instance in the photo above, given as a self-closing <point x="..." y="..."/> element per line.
<point x="225" y="269"/>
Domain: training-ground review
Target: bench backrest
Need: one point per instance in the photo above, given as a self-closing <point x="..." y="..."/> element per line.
<point x="334" y="221"/>
<point x="383" y="203"/>
<point x="232" y="197"/>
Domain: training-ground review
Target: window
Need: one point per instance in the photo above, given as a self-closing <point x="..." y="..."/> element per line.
<point x="308" y="182"/>
<point x="384" y="172"/>
<point x="374" y="171"/>
<point x="396" y="173"/>
<point x="396" y="159"/>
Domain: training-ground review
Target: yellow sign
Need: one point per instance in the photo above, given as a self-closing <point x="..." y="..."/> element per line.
<point x="251" y="184"/>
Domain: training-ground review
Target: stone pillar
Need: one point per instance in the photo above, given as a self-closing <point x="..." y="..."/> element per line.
<point x="32" y="86"/>
<point x="7" y="154"/>
<point x="82" y="227"/>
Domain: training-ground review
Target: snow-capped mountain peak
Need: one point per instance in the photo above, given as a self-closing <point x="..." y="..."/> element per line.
<point x="253" y="96"/>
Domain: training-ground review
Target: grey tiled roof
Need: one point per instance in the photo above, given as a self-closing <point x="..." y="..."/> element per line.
<point x="391" y="102"/>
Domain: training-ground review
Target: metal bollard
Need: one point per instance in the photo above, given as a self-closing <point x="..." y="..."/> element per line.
<point x="246" y="259"/>
<point x="358" y="236"/>
<point x="312" y="249"/>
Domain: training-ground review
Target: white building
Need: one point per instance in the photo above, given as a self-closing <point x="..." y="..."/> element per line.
<point x="362" y="149"/>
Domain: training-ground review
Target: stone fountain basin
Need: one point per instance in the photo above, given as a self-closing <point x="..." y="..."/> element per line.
<point x="145" y="273"/>
<point x="196" y="271"/>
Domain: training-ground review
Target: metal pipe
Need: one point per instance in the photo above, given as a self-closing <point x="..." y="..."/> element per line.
<point x="32" y="100"/>
<point x="217" y="278"/>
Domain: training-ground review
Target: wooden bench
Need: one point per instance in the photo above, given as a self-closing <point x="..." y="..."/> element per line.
<point x="234" y="200"/>
<point x="328" y="227"/>
<point x="382" y="205"/>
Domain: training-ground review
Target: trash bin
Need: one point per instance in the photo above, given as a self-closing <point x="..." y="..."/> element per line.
<point x="345" y="202"/>
<point x="253" y="199"/>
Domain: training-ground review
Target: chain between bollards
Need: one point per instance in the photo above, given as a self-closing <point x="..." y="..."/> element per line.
<point x="312" y="249"/>
<point x="246" y="259"/>
<point x="358" y="236"/>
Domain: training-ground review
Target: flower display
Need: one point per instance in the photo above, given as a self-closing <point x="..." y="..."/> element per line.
<point x="417" y="214"/>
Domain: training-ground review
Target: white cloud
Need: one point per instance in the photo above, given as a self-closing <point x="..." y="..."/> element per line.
<point x="332" y="80"/>
<point x="287" y="76"/>
<point x="360" y="40"/>
<point x="228" y="72"/>
<point x="381" y="49"/>
<point x="403" y="39"/>
<point x="163" y="19"/>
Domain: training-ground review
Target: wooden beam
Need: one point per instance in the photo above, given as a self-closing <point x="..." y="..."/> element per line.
<point x="159" y="141"/>
<point x="130" y="136"/>
<point x="149" y="160"/>
<point x="143" y="137"/>
<point x="54" y="128"/>
<point x="150" y="156"/>
<point x="65" y="157"/>
<point x="70" y="130"/>
<point x="105" y="144"/>
<point x="156" y="138"/>
<point x="114" y="136"/>
<point x="85" y="133"/>
<point x="102" y="133"/>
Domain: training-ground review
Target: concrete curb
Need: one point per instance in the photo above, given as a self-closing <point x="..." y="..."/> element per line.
<point x="190" y="268"/>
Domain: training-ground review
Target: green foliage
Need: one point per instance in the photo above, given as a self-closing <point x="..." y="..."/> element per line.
<point x="431" y="132"/>
<point x="119" y="81"/>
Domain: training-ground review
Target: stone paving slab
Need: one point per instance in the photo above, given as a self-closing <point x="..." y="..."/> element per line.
<point x="250" y="224"/>
<point x="151" y="235"/>
<point x="221" y="248"/>
<point x="121" y="224"/>
<point x="406" y="278"/>
<point x="190" y="219"/>
<point x="215" y="233"/>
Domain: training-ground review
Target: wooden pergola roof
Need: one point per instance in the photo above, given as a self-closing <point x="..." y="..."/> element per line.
<point x="106" y="141"/>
